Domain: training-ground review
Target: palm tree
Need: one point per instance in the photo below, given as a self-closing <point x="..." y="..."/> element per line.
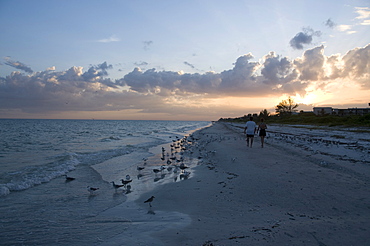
<point x="286" y="107"/>
<point x="264" y="114"/>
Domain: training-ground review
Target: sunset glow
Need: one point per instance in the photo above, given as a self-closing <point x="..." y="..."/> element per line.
<point x="151" y="60"/>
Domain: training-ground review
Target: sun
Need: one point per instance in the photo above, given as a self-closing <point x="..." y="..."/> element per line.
<point x="307" y="99"/>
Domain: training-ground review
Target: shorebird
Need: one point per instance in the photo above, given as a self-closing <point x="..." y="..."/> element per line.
<point x="117" y="186"/>
<point x="156" y="170"/>
<point x="183" y="167"/>
<point x="184" y="175"/>
<point x="128" y="177"/>
<point x="125" y="182"/>
<point x="140" y="168"/>
<point x="92" y="189"/>
<point x="150" y="200"/>
<point x="68" y="178"/>
<point x="128" y="189"/>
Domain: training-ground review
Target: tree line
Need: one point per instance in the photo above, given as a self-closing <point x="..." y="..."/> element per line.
<point x="284" y="108"/>
<point x="286" y="113"/>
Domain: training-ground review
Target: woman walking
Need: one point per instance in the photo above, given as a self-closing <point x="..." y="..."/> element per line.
<point x="262" y="131"/>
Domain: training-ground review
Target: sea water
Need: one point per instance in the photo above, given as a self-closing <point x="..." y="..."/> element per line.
<point x="38" y="206"/>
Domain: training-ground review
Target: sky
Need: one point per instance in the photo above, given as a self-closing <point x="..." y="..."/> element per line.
<point x="180" y="60"/>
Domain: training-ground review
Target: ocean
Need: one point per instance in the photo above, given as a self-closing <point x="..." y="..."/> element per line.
<point x="39" y="206"/>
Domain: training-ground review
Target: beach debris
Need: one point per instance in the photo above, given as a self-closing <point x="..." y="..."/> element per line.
<point x="324" y="164"/>
<point x="208" y="243"/>
<point x="236" y="237"/>
<point x="150" y="200"/>
<point x="69" y="178"/>
<point x="92" y="189"/>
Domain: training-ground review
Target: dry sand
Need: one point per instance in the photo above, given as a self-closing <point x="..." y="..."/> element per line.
<point x="274" y="195"/>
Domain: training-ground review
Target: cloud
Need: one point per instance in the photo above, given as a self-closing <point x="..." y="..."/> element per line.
<point x="112" y="38"/>
<point x="244" y="79"/>
<point x="357" y="65"/>
<point x="18" y="65"/>
<point x="141" y="63"/>
<point x="344" y="28"/>
<point x="189" y="64"/>
<point x="277" y="70"/>
<point x="363" y="12"/>
<point x="97" y="72"/>
<point x="310" y="66"/>
<point x="363" y="15"/>
<point x="329" y="23"/>
<point x="147" y="44"/>
<point x="169" y="91"/>
<point x="303" y="38"/>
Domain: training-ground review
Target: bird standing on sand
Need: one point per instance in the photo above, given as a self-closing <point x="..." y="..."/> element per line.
<point x="117" y="186"/>
<point x="183" y="167"/>
<point x="92" y="189"/>
<point x="150" y="200"/>
<point x="155" y="170"/>
<point x="140" y="168"/>
<point x="125" y="182"/>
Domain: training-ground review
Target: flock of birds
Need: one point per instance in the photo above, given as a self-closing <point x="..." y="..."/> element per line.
<point x="173" y="163"/>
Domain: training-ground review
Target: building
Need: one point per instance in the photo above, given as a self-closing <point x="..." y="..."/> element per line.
<point x="341" y="112"/>
<point x="322" y="110"/>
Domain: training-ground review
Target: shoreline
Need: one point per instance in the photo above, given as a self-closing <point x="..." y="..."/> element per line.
<point x="275" y="195"/>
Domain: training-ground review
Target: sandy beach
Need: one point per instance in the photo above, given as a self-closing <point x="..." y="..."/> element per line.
<point x="276" y="195"/>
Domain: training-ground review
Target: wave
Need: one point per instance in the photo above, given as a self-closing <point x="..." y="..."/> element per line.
<point x="38" y="174"/>
<point x="78" y="147"/>
<point x="35" y="175"/>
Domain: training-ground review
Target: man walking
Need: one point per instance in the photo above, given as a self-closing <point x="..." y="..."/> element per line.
<point x="250" y="130"/>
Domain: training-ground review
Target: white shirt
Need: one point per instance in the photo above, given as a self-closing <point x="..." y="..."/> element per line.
<point x="251" y="126"/>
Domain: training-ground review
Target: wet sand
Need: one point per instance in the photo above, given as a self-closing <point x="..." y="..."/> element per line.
<point x="276" y="195"/>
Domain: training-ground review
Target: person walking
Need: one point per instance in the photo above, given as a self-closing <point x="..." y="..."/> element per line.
<point x="262" y="131"/>
<point x="250" y="130"/>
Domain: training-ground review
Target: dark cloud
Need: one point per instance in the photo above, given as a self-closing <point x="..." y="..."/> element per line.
<point x="329" y="23"/>
<point x="357" y="65"/>
<point x="311" y="65"/>
<point x="154" y="91"/>
<point x="18" y="65"/>
<point x="243" y="80"/>
<point x="97" y="72"/>
<point x="189" y="64"/>
<point x="147" y="44"/>
<point x="141" y="63"/>
<point x="303" y="38"/>
<point x="276" y="70"/>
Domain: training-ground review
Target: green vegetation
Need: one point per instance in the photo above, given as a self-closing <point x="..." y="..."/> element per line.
<point x="310" y="119"/>
<point x="285" y="114"/>
<point x="286" y="107"/>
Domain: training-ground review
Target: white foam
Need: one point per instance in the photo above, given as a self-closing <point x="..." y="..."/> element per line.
<point x="4" y="190"/>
